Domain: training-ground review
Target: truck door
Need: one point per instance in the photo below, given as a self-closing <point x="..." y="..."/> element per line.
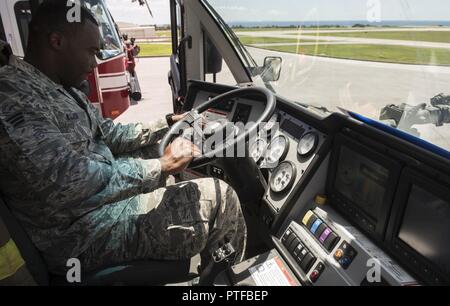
<point x="177" y="73"/>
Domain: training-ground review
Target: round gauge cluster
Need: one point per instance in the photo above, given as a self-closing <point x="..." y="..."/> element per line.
<point x="283" y="177"/>
<point x="258" y="150"/>
<point x="277" y="150"/>
<point x="308" y="144"/>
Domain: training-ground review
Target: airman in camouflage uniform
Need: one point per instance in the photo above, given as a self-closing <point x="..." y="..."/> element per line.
<point x="85" y="188"/>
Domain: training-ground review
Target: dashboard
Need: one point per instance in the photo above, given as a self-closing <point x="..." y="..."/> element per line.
<point x="381" y="216"/>
<point x="343" y="202"/>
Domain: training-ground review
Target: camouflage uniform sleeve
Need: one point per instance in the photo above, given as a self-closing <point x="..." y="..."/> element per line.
<point x="38" y="153"/>
<point x="131" y="137"/>
<point x="444" y="115"/>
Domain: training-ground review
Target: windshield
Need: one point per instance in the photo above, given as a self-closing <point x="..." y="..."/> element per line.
<point x="388" y="60"/>
<point x="111" y="45"/>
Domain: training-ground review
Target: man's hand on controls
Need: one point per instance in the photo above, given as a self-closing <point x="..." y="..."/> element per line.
<point x="178" y="155"/>
<point x="176" y="118"/>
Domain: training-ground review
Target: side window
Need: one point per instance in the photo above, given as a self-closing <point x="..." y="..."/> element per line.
<point x="176" y="21"/>
<point x="215" y="68"/>
<point x="22" y="10"/>
<point x="179" y="21"/>
<point x="110" y="40"/>
<point x="2" y="30"/>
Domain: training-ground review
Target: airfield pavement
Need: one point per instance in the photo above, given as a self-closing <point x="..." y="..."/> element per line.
<point x="362" y="86"/>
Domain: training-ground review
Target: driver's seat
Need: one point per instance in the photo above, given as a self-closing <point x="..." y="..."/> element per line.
<point x="132" y="273"/>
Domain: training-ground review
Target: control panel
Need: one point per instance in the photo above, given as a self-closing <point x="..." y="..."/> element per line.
<point x="326" y="250"/>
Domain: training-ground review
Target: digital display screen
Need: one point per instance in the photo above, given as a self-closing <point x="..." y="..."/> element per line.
<point x="362" y="181"/>
<point x="293" y="129"/>
<point x="426" y="226"/>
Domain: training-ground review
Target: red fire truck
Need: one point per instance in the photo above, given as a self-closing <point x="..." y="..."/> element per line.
<point x="110" y="83"/>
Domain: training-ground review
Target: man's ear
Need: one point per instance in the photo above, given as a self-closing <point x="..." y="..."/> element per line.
<point x="57" y="41"/>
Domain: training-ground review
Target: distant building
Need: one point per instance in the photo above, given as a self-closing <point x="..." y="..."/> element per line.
<point x="136" y="31"/>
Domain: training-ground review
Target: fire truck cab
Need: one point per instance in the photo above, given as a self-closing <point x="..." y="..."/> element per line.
<point x="331" y="197"/>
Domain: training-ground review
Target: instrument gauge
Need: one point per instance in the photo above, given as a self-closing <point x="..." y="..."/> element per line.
<point x="276" y="151"/>
<point x="258" y="150"/>
<point x="270" y="125"/>
<point x="308" y="144"/>
<point x="283" y="177"/>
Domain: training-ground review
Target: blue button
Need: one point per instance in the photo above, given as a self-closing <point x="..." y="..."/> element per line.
<point x="345" y="262"/>
<point x="316" y="225"/>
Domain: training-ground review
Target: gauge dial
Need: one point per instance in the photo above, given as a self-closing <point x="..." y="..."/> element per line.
<point x="270" y="125"/>
<point x="283" y="177"/>
<point x="258" y="150"/>
<point x="276" y="151"/>
<point x="308" y="144"/>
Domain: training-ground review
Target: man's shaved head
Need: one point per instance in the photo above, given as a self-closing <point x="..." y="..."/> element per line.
<point x="52" y="16"/>
<point x="64" y="50"/>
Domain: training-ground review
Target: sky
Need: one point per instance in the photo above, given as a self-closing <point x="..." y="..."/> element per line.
<point x="292" y="10"/>
<point x="126" y="11"/>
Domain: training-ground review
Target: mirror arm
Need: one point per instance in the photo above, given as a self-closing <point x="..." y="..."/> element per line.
<point x="188" y="40"/>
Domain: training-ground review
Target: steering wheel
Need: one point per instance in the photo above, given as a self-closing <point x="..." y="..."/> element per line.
<point x="193" y="119"/>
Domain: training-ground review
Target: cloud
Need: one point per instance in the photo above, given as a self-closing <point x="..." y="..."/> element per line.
<point x="232" y="8"/>
<point x="274" y="12"/>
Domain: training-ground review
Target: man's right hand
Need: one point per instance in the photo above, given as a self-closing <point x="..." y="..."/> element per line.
<point x="178" y="155"/>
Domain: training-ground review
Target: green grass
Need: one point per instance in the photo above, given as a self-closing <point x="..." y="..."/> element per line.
<point x="155" y="49"/>
<point x="271" y="29"/>
<point x="378" y="53"/>
<point x="429" y="36"/>
<point x="163" y="33"/>
<point x="262" y="29"/>
<point x="249" y="40"/>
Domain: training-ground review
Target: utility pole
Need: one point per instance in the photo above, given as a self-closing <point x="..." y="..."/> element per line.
<point x="142" y="2"/>
<point x="148" y="7"/>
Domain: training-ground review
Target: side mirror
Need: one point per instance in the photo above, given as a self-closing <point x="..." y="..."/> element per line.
<point x="271" y="70"/>
<point x="213" y="58"/>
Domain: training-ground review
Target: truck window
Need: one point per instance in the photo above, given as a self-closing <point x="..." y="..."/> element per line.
<point x="23" y="15"/>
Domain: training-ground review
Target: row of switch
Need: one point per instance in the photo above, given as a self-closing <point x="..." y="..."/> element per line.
<point x="301" y="254"/>
<point x="320" y="230"/>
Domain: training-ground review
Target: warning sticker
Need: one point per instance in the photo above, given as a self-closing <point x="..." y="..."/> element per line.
<point x="271" y="273"/>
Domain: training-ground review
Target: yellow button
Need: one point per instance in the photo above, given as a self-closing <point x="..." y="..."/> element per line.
<point x="320" y="199"/>
<point x="306" y="218"/>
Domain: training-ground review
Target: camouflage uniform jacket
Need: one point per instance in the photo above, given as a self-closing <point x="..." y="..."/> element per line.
<point x="59" y="169"/>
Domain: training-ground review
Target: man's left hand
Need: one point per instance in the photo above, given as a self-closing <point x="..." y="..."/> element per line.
<point x="176" y="118"/>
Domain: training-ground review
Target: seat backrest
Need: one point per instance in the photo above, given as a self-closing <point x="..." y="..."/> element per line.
<point x="27" y="257"/>
<point x="5" y="53"/>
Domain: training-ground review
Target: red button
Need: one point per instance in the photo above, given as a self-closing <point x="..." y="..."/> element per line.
<point x="314" y="276"/>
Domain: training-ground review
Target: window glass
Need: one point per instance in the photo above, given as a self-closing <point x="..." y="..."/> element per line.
<point x="387" y="60"/>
